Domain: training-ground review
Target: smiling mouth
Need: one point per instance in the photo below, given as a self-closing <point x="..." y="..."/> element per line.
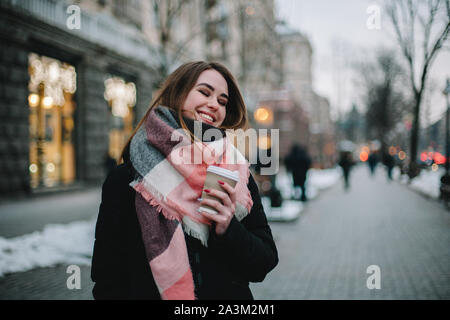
<point x="206" y="117"/>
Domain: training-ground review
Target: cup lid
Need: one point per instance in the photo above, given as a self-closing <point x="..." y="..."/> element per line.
<point x="233" y="175"/>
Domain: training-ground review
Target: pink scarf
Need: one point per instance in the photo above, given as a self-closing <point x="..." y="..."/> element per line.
<point x="171" y="171"/>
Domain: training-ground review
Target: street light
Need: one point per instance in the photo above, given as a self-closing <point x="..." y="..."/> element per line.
<point x="445" y="180"/>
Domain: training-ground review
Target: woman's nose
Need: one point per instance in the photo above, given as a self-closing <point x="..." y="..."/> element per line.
<point x="213" y="104"/>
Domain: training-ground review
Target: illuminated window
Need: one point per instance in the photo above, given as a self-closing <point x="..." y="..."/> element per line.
<point x="52" y="153"/>
<point x="121" y="98"/>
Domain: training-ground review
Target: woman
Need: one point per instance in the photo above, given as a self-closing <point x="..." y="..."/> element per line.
<point x="151" y="240"/>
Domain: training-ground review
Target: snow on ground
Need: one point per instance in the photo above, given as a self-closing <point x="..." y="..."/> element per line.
<point x="70" y="243"/>
<point x="428" y="182"/>
<point x="316" y="180"/>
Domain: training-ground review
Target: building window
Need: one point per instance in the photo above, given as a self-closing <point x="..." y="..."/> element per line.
<point x="51" y="90"/>
<point x="121" y="97"/>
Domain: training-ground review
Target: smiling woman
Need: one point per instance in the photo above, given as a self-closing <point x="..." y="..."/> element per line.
<point x="153" y="240"/>
<point x="207" y="101"/>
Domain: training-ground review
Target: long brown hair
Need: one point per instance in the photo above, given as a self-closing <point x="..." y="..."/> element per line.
<point x="179" y="83"/>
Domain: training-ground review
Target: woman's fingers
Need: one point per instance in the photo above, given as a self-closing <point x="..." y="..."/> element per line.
<point x="219" y="219"/>
<point x="230" y="190"/>
<point x="226" y="200"/>
<point x="213" y="203"/>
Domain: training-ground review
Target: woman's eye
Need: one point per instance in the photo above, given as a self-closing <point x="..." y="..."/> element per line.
<point x="205" y="93"/>
<point x="223" y="102"/>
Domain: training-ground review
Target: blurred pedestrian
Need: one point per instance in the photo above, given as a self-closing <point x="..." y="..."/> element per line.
<point x="372" y="162"/>
<point x="346" y="162"/>
<point x="298" y="162"/>
<point x="389" y="162"/>
<point x="152" y="240"/>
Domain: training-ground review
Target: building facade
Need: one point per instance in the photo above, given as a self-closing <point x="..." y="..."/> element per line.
<point x="57" y="120"/>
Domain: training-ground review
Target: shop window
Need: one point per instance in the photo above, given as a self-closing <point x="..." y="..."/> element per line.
<point x="51" y="102"/>
<point x="121" y="97"/>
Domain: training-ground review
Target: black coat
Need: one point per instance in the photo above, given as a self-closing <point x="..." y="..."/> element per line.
<point x="120" y="270"/>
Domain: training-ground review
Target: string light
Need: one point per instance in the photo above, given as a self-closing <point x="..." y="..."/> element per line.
<point x="120" y="95"/>
<point x="56" y="77"/>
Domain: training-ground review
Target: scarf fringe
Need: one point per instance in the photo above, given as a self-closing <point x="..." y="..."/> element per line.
<point x="153" y="197"/>
<point x="191" y="228"/>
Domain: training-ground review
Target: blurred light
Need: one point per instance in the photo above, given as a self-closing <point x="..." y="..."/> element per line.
<point x="33" y="168"/>
<point x="53" y="72"/>
<point x="263" y="115"/>
<point x="402" y="155"/>
<point x="50" y="167"/>
<point x="264" y="142"/>
<point x="47" y="102"/>
<point x="56" y="77"/>
<point x="33" y="100"/>
<point x="439" y="158"/>
<point x="250" y="11"/>
<point x="423" y="157"/>
<point x="392" y="150"/>
<point x="120" y="96"/>
<point x="266" y="185"/>
<point x="434" y="167"/>
<point x="363" y="156"/>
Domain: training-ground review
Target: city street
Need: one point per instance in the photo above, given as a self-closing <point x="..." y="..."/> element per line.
<point x="326" y="252"/>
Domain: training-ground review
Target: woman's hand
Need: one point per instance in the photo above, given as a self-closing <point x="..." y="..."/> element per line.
<point x="225" y="210"/>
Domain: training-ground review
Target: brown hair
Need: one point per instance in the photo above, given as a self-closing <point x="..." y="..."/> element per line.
<point x="179" y="83"/>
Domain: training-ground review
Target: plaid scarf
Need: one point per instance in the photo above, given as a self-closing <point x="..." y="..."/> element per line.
<point x="171" y="170"/>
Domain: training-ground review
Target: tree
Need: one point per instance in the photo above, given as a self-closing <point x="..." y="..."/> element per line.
<point x="433" y="19"/>
<point x="160" y="20"/>
<point x="383" y="95"/>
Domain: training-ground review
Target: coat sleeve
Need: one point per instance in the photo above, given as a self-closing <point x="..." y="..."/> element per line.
<point x="108" y="256"/>
<point x="248" y="246"/>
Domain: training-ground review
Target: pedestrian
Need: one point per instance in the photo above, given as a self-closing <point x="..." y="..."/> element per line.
<point x="389" y="162"/>
<point x="151" y="240"/>
<point x="372" y="162"/>
<point x="346" y="162"/>
<point x="298" y="162"/>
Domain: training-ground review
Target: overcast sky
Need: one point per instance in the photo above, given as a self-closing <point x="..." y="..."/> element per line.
<point x="339" y="36"/>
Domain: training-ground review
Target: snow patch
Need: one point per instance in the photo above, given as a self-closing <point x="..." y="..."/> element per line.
<point x="58" y="243"/>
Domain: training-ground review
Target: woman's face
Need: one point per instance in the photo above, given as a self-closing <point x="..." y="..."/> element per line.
<point x="208" y="98"/>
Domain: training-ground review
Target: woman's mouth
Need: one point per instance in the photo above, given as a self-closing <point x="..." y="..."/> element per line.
<point x="208" y="118"/>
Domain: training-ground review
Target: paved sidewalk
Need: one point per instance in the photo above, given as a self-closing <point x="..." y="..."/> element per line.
<point x="45" y="284"/>
<point x="325" y="254"/>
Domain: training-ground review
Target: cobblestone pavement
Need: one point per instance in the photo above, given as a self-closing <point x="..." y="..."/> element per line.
<point x="45" y="284"/>
<point x="325" y="253"/>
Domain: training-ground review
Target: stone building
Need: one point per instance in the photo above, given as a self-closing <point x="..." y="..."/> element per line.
<point x="297" y="79"/>
<point x="56" y="123"/>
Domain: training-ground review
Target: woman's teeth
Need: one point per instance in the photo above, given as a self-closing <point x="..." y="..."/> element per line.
<point x="205" y="116"/>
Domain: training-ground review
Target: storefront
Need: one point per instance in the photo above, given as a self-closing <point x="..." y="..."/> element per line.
<point x="66" y="103"/>
<point x="52" y="152"/>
